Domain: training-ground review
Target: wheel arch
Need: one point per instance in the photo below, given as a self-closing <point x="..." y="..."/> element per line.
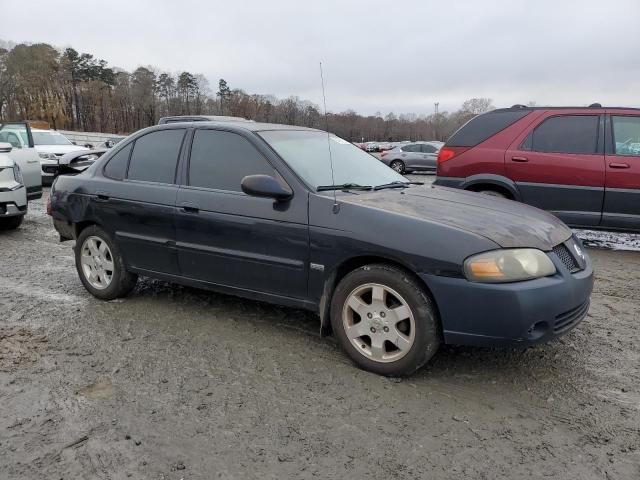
<point x="505" y="185"/>
<point x="349" y="265"/>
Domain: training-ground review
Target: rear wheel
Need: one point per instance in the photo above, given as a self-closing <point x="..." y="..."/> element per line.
<point x="100" y="265"/>
<point x="384" y="320"/>
<point x="11" y="223"/>
<point x="398" y="166"/>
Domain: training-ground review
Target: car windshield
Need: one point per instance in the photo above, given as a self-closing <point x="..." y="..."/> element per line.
<point x="49" y="138"/>
<point x="307" y="152"/>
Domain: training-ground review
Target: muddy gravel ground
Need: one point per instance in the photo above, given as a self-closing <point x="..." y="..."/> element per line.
<point x="178" y="383"/>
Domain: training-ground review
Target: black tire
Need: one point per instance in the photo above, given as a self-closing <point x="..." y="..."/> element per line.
<point x="427" y="337"/>
<point x="11" y="223"/>
<point x="122" y="281"/>
<point x="492" y="193"/>
<point x="400" y="168"/>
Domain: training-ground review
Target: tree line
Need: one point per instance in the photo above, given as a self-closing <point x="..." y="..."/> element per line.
<point x="77" y="91"/>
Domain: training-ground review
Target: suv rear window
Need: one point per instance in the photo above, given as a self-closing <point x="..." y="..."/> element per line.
<point x="479" y="128"/>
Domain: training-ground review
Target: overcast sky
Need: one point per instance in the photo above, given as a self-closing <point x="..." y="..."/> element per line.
<point x="399" y="56"/>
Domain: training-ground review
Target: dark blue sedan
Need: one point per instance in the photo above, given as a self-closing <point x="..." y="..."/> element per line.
<point x="302" y="218"/>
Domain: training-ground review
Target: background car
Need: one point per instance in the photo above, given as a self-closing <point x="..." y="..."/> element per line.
<point x="51" y="146"/>
<point x="416" y="156"/>
<point x="13" y="194"/>
<point x="580" y="163"/>
<point x="23" y="153"/>
<point x="74" y="163"/>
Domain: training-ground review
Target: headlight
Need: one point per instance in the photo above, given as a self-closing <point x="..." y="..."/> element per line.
<point x="17" y="174"/>
<point x="512" y="265"/>
<point x="47" y="156"/>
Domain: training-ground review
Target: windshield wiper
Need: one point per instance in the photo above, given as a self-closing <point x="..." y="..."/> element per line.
<point x="344" y="186"/>
<point x="396" y="185"/>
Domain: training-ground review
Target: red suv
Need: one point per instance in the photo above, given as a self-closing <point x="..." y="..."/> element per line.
<point x="581" y="164"/>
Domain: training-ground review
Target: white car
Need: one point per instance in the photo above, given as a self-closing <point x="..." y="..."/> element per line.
<point x="13" y="194"/>
<point x="18" y="135"/>
<point x="51" y="146"/>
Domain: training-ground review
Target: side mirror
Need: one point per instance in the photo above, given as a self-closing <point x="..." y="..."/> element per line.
<point x="5" y="147"/>
<point x="265" y="186"/>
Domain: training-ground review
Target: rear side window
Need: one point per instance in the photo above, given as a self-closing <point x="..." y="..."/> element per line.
<point x="565" y="134"/>
<point x="626" y="135"/>
<point x="426" y="148"/>
<point x="155" y="156"/>
<point x="116" y="167"/>
<point x="480" y="128"/>
<point x="220" y="160"/>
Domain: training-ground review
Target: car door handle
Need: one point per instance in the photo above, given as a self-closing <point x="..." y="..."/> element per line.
<point x="520" y="159"/>
<point x="189" y="208"/>
<point x="102" y="197"/>
<point x="619" y="165"/>
<point x="33" y="161"/>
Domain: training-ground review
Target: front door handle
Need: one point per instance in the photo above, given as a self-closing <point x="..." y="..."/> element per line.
<point x="520" y="159"/>
<point x="102" y="196"/>
<point x="619" y="165"/>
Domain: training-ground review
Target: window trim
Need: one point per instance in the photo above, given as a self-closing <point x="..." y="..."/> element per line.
<point x="187" y="173"/>
<point x="599" y="134"/>
<point x="612" y="137"/>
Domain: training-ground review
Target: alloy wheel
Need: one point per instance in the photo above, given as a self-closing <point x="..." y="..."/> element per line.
<point x="97" y="262"/>
<point x="378" y="322"/>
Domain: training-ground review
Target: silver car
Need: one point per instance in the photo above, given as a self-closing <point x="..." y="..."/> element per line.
<point x="13" y="194"/>
<point x="419" y="156"/>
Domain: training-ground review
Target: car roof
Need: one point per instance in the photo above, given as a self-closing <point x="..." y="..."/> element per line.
<point x="520" y="108"/>
<point x="250" y="126"/>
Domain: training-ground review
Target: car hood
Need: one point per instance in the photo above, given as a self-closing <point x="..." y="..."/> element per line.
<point x="508" y="223"/>
<point x="58" y="148"/>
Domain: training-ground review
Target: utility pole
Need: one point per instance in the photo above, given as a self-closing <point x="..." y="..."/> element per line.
<point x="437" y="119"/>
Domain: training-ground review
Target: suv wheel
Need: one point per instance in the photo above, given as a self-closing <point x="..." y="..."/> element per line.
<point x="11" y="223"/>
<point x="384" y="320"/>
<point x="100" y="265"/>
<point x="397" y="165"/>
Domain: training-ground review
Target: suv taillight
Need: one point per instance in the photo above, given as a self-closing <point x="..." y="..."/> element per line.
<point x="447" y="153"/>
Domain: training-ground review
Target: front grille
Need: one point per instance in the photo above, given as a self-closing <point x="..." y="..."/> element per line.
<point x="567" y="259"/>
<point x="566" y="320"/>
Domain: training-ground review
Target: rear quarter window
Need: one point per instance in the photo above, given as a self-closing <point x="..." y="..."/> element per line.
<point x="480" y="128"/>
<point x="116" y="167"/>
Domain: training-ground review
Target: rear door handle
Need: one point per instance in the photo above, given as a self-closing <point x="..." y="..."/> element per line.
<point x="102" y="196"/>
<point x="520" y="159"/>
<point x="189" y="208"/>
<point x="619" y="165"/>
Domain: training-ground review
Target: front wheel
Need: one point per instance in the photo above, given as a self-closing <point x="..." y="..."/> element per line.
<point x="398" y="166"/>
<point x="384" y="320"/>
<point x="100" y="265"/>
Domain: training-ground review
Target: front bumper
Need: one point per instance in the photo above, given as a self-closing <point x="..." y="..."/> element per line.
<point x="508" y="314"/>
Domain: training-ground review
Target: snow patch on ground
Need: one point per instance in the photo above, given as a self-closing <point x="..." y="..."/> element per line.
<point x="610" y="240"/>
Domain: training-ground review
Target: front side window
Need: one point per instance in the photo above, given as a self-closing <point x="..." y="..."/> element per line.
<point x="626" y="135"/>
<point x="565" y="134"/>
<point x="155" y="156"/>
<point x="15" y="134"/>
<point x="411" y="148"/>
<point x="220" y="160"/>
<point x="307" y="153"/>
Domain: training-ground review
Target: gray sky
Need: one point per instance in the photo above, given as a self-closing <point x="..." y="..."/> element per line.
<point x="399" y="56"/>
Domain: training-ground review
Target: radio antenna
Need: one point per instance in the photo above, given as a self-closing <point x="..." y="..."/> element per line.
<point x="336" y="207"/>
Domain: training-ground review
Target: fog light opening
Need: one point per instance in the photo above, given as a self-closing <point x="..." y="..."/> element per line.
<point x="537" y="330"/>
